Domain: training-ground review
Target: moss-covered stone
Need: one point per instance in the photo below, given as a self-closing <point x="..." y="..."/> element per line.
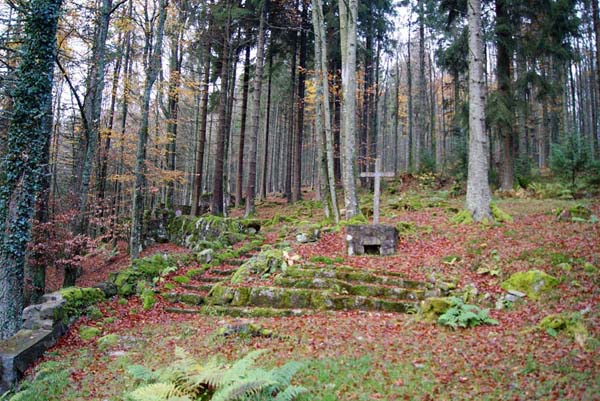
<point x="433" y="307"/>
<point x="88" y="332"/>
<point x="126" y="281"/>
<point x="78" y="299"/>
<point x="94" y="313"/>
<point x="570" y="323"/>
<point x="108" y="341"/>
<point x="268" y="262"/>
<point x="533" y="282"/>
<point x="220" y="295"/>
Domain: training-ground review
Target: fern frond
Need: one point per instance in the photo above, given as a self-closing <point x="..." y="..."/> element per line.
<point x="157" y="392"/>
<point x="290" y="393"/>
<point x="283" y="375"/>
<point x="242" y="389"/>
<point x="142" y="373"/>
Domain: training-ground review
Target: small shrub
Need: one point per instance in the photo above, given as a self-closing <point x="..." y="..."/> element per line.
<point x="464" y="315"/>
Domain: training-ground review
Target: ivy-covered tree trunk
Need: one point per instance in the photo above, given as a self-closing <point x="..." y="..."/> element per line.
<point x="135" y="243"/>
<point x="22" y="167"/>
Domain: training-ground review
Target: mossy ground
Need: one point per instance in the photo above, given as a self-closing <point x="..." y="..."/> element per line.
<point x="364" y="355"/>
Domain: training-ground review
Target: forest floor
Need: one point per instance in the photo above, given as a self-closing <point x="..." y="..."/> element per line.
<point x="385" y="356"/>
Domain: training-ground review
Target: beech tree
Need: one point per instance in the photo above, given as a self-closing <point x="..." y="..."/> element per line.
<point x="153" y="47"/>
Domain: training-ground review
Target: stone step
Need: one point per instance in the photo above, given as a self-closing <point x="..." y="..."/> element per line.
<point x="188" y="298"/>
<point x="198" y="287"/>
<point x="236" y="262"/>
<point x="355" y="275"/>
<point x="294" y="298"/>
<point x="221" y="272"/>
<point x="211" y="279"/>
<point x="233" y="311"/>
<point x="344" y="287"/>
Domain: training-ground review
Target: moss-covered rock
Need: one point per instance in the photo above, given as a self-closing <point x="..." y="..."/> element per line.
<point x="78" y="299"/>
<point x="88" y="332"/>
<point x="220" y="295"/>
<point x="571" y="323"/>
<point x="268" y="262"/>
<point x="534" y="283"/>
<point x="108" y="341"/>
<point x="244" y="330"/>
<point x="205" y="232"/>
<point x="433" y="307"/>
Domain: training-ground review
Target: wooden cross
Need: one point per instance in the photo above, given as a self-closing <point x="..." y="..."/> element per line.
<point x="377" y="175"/>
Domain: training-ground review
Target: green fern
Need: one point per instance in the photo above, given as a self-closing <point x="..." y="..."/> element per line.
<point x="465" y="315"/>
<point x="188" y="380"/>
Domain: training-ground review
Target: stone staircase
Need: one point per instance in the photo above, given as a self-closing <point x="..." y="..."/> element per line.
<point x="295" y="290"/>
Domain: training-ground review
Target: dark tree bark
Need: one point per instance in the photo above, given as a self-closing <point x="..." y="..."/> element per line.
<point x="263" y="186"/>
<point x="503" y="69"/>
<point x="199" y="170"/>
<point x="257" y="87"/>
<point x="240" y="160"/>
<point x="217" y="207"/>
<point x="297" y="181"/>
<point x="22" y="167"/>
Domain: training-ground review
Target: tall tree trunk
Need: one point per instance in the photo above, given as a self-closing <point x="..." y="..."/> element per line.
<point x="292" y="131"/>
<point x="127" y="72"/>
<point x="257" y="89"/>
<point x="297" y="181"/>
<point x="199" y="170"/>
<point x="240" y="160"/>
<point x="348" y="22"/>
<point x="103" y="168"/>
<point x="263" y="187"/>
<point x="411" y="119"/>
<point x="22" y="166"/>
<point x="92" y="105"/>
<point x="596" y="23"/>
<point x="136" y="240"/>
<point x="323" y="117"/>
<point x="172" y="115"/>
<point x="217" y="206"/>
<point x="503" y="65"/>
<point x="478" y="189"/>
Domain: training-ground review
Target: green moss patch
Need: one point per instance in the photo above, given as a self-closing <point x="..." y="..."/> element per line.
<point x="432" y="308"/>
<point x="570" y="323"/>
<point x="87" y="333"/>
<point x="78" y="299"/>
<point x="533" y="282"/>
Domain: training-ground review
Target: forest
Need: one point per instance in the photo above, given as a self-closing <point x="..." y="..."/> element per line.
<point x="187" y="157"/>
